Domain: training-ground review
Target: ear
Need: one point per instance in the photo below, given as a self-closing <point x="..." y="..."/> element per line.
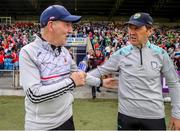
<point x="150" y="31"/>
<point x="50" y="26"/>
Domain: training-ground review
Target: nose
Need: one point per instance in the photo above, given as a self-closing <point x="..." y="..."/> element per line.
<point x="132" y="31"/>
<point x="70" y="29"/>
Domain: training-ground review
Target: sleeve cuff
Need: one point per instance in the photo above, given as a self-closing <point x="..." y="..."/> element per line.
<point x="73" y="82"/>
<point x="101" y="82"/>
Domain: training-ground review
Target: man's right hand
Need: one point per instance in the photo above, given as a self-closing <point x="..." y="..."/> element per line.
<point x="78" y="78"/>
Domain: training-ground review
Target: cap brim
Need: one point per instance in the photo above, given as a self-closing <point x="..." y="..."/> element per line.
<point x="136" y="23"/>
<point x="72" y="18"/>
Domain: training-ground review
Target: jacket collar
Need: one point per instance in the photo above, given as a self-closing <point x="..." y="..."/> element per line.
<point x="148" y="44"/>
<point x="46" y="45"/>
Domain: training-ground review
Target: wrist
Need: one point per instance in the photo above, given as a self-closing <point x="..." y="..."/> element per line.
<point x="73" y="82"/>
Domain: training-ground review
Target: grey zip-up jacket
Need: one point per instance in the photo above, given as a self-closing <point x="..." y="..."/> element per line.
<point x="140" y="89"/>
<point x="44" y="76"/>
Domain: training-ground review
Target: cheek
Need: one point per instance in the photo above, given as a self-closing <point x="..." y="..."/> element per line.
<point x="60" y="33"/>
<point x="142" y="35"/>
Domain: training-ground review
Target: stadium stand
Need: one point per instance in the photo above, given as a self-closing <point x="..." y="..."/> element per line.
<point x="102" y="24"/>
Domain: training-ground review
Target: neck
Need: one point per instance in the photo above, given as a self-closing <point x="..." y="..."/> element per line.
<point x="49" y="39"/>
<point x="141" y="45"/>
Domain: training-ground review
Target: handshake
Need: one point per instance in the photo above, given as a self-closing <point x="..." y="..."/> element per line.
<point x="80" y="79"/>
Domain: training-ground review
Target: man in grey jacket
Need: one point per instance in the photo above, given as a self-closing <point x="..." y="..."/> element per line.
<point x="140" y="66"/>
<point x="48" y="74"/>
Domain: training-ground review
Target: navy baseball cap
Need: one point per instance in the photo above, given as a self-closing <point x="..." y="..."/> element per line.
<point x="57" y="12"/>
<point x="140" y="19"/>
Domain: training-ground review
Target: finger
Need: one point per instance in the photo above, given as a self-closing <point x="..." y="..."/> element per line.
<point x="114" y="82"/>
<point x="79" y="75"/>
<point x="176" y="128"/>
<point x="170" y="125"/>
<point x="83" y="82"/>
<point x="114" y="86"/>
<point x="113" y="79"/>
<point x="82" y="74"/>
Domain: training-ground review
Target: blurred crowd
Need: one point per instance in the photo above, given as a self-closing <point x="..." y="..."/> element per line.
<point x="12" y="39"/>
<point x="108" y="38"/>
<point x="105" y="39"/>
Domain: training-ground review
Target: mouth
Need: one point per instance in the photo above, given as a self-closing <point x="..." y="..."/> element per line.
<point x="133" y="38"/>
<point x="66" y="37"/>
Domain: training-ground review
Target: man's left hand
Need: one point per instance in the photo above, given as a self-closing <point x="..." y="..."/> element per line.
<point x="110" y="83"/>
<point x="174" y="124"/>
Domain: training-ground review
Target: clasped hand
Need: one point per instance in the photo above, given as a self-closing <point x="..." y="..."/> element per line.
<point x="79" y="78"/>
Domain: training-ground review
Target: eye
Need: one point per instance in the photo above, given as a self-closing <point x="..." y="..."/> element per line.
<point x="137" y="28"/>
<point x="67" y="24"/>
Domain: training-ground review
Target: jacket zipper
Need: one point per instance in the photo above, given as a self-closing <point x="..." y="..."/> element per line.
<point x="140" y="50"/>
<point x="141" y="56"/>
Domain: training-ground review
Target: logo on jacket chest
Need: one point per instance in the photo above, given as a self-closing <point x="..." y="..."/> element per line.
<point x="154" y="65"/>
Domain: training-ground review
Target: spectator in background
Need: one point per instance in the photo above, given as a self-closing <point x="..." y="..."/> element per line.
<point x="177" y="59"/>
<point x="15" y="58"/>
<point x="95" y="59"/>
<point x="140" y="66"/>
<point x="1" y="59"/>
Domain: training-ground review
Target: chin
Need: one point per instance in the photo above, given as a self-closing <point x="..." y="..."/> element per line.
<point x="133" y="43"/>
<point x="64" y="43"/>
